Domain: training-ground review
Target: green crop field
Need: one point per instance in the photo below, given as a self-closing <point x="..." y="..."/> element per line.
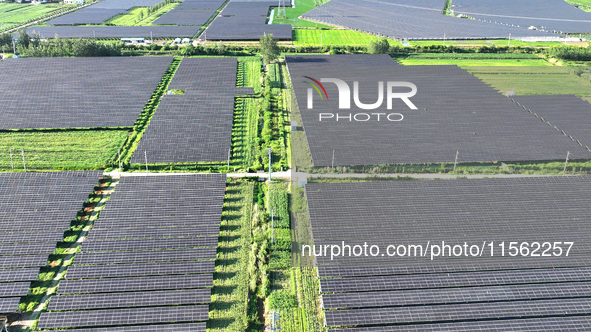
<point x="292" y="14"/>
<point x="584" y="4"/>
<point x="534" y="80"/>
<point x="474" y="62"/>
<point x="68" y="149"/>
<point x="15" y="13"/>
<point x="332" y="37"/>
<point x="140" y="16"/>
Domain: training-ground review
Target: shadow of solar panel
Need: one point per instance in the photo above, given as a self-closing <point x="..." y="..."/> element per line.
<point x="135" y="284"/>
<point x="455" y="112"/>
<point x="126" y="300"/>
<point x="116" y="317"/>
<point x="114" y="96"/>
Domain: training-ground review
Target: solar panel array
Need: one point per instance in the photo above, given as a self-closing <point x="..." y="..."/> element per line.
<point x="242" y="20"/>
<point x="411" y="19"/>
<point x="77" y="92"/>
<point x="35" y="211"/>
<point x="456" y="112"/>
<point x="191" y="12"/>
<point x="196" y="126"/>
<point x="491" y="293"/>
<point x="549" y="15"/>
<point x="166" y="283"/>
<point x="100" y="12"/>
<point x="567" y="113"/>
<point x="115" y="31"/>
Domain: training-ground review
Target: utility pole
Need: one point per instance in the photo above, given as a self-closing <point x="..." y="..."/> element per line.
<point x="13" y="46"/>
<point x="23" y="154"/>
<point x="509" y="42"/>
<point x="229" y="152"/>
<point x="146" y="157"/>
<point x="566" y="162"/>
<point x="270" y="151"/>
<point x="456" y="161"/>
<point x="281" y="9"/>
<point x="119" y="157"/>
<point x="11" y="163"/>
<point x="332" y="165"/>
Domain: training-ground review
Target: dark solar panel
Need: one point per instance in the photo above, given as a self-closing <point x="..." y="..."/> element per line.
<point x="13" y="289"/>
<point x="196" y="126"/>
<point x="115" y="31"/>
<point x="126" y="300"/>
<point x="100" y="12"/>
<point x="411" y="19"/>
<point x="118" y="91"/>
<point x="150" y="244"/>
<point x="115" y="317"/>
<point x="22" y="261"/>
<point x="568" y="114"/>
<point x="8" y="305"/>
<point x="245" y="21"/>
<point x="408" y="290"/>
<point x="186" y="17"/>
<point x="548" y="15"/>
<point x="135" y="284"/>
<point x="197" y="327"/>
<point x="456" y="112"/>
<point x="145" y="256"/>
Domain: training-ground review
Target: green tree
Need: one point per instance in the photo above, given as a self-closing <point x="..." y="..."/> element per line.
<point x="381" y="46"/>
<point x="5" y="41"/>
<point x="269" y="48"/>
<point x="23" y="39"/>
<point x="220" y="48"/>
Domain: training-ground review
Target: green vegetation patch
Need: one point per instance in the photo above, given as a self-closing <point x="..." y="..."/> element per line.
<point x="292" y="14"/>
<point x="316" y="37"/>
<point x="12" y="14"/>
<point x="534" y="80"/>
<point x="60" y="150"/>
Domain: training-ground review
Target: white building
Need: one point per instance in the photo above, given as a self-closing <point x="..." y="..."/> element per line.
<point x="74" y="2"/>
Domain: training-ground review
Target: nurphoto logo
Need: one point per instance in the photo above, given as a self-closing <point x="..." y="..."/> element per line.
<point x="344" y="98"/>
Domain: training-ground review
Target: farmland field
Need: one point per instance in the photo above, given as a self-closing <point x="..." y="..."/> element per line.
<point x="69" y="150"/>
<point x="479" y="43"/>
<point x="15" y="13"/>
<point x="533" y="80"/>
<point x="331" y="37"/>
<point x="584" y="4"/>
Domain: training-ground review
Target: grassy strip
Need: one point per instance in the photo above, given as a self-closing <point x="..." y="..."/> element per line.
<point x="230" y="296"/>
<point x="480" y="43"/>
<point x="41" y="290"/>
<point x="583" y="4"/>
<point x="15" y="14"/>
<point x="60" y="149"/>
